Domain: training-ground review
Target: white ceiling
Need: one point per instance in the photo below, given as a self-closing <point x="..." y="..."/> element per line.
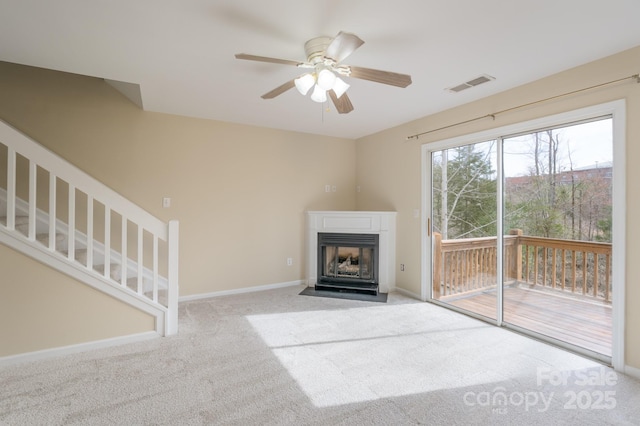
<point x="181" y="52"/>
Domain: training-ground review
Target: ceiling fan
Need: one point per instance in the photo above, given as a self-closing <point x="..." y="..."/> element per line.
<point x="324" y="62"/>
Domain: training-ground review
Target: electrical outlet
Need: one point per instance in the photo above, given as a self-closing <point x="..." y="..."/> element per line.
<point x="166" y="202"/>
<point x="289" y="261"/>
<point x="402" y="267"/>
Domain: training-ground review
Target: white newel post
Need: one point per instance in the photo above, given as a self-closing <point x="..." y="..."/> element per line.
<point x="171" y="323"/>
<point x="355" y="222"/>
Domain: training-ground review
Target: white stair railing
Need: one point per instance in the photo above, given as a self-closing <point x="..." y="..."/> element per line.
<point x="58" y="214"/>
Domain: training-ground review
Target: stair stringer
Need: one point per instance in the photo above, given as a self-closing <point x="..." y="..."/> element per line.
<point x="75" y="270"/>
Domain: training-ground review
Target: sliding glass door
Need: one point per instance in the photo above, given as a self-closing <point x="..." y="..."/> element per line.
<point x="520" y="231"/>
<point x="463" y="216"/>
<point x="557" y="244"/>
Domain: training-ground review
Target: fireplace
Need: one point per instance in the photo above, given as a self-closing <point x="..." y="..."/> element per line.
<point x="368" y="225"/>
<point x="348" y="262"/>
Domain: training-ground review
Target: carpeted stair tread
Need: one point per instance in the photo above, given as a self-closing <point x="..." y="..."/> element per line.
<point x="115" y="271"/>
<point x="44" y="239"/>
<point x="21" y="223"/>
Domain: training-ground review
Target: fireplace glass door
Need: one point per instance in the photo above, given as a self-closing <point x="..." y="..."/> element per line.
<point x="348" y="262"/>
<point x="347" y="258"/>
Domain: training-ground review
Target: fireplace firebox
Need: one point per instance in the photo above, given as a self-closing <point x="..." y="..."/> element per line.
<point x="348" y="262"/>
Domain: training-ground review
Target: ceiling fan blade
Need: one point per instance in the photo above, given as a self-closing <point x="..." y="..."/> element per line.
<point x="279" y="90"/>
<point x="342" y="103"/>
<point x="343" y="45"/>
<point x="385" y="77"/>
<point x="267" y="59"/>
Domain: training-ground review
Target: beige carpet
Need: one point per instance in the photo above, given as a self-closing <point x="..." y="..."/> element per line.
<point x="276" y="357"/>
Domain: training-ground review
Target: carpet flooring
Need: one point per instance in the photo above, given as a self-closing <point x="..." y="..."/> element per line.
<point x="278" y="358"/>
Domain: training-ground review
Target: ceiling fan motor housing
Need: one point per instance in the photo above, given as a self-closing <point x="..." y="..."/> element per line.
<point x="315" y="49"/>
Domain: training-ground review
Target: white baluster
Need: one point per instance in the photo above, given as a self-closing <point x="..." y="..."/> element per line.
<point x="89" y="232"/>
<point x="52" y="211"/>
<point x="71" y="237"/>
<point x="11" y="188"/>
<point x="123" y="257"/>
<point x="32" y="199"/>
<point x="140" y="253"/>
<point x="155" y="268"/>
<point x="107" y="242"/>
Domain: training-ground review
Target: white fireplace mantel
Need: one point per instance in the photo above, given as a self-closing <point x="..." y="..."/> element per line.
<point x="362" y="222"/>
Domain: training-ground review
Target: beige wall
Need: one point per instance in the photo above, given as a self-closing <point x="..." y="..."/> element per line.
<point x="41" y="308"/>
<point x="239" y="192"/>
<point x="389" y="166"/>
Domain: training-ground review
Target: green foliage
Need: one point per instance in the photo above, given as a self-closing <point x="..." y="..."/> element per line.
<point x="558" y="202"/>
<point x="550" y="202"/>
<point x="605" y="227"/>
<point x="470" y="192"/>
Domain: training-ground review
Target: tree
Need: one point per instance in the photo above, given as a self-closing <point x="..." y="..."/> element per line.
<point x="604" y="227"/>
<point x="464" y="188"/>
<point x="555" y="200"/>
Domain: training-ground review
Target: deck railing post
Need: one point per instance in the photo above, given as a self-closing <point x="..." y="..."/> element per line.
<point x="437" y="264"/>
<point x="515" y="254"/>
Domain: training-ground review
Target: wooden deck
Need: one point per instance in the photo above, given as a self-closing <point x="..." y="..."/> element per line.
<point x="584" y="323"/>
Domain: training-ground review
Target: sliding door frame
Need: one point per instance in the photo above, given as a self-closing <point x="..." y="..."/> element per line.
<point x="615" y="109"/>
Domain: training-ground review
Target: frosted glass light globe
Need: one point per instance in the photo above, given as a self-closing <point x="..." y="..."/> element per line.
<point x="339" y="87"/>
<point x="319" y="94"/>
<point x="304" y="83"/>
<point x="326" y="79"/>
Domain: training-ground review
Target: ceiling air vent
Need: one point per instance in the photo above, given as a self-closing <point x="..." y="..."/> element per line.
<point x="471" y="83"/>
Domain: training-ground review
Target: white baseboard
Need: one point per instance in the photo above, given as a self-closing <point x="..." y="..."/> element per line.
<point x="408" y="293"/>
<point x="240" y="290"/>
<point x="632" y="371"/>
<point x="73" y="349"/>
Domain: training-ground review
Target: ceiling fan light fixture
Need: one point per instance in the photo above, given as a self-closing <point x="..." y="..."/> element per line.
<point x="326" y="79"/>
<point x="304" y="83"/>
<point x="319" y="94"/>
<point x="325" y="67"/>
<point x="340" y="87"/>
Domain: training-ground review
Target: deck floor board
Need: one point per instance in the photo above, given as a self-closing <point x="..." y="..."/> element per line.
<point x="584" y="323"/>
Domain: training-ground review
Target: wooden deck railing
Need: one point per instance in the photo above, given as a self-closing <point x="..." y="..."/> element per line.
<point x="580" y="267"/>
<point x="469" y="265"/>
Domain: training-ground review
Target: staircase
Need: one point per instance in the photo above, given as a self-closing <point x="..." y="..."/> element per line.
<point x="57" y="214"/>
